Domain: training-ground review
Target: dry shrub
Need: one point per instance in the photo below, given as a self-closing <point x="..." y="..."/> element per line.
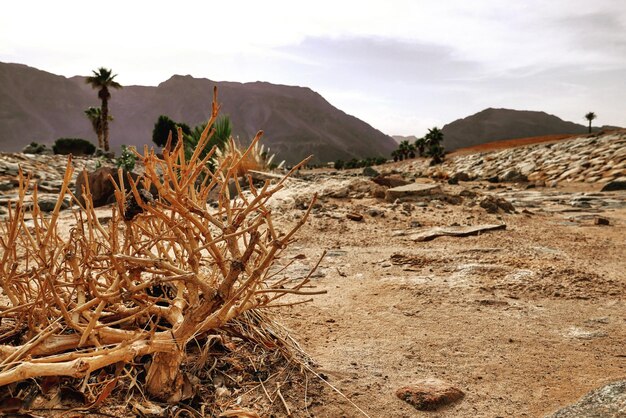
<point x="164" y="271"/>
<point x="255" y="157"/>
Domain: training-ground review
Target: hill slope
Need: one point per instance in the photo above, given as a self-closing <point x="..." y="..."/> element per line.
<point x="39" y="106"/>
<point x="496" y="124"/>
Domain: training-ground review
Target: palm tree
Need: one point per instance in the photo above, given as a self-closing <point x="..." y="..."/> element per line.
<point x="94" y="114"/>
<point x="590" y="116"/>
<point x="420" y="144"/>
<point x="404" y="149"/>
<point x="433" y="140"/>
<point x="395" y="155"/>
<point x="103" y="80"/>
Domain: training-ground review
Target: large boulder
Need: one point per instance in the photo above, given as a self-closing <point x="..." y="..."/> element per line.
<point x="100" y="185"/>
<point x="606" y="402"/>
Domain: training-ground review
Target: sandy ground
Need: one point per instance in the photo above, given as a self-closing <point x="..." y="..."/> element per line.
<point x="524" y="320"/>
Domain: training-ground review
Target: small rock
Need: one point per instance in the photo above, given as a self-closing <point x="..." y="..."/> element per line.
<point x="429" y="394"/>
<point x="6" y="185"/>
<point x="353" y="216"/>
<point x="514" y="176"/>
<point x="493" y="204"/>
<point x="47" y="203"/>
<point x="340" y="194"/>
<point x="412" y="190"/>
<point x="373" y="212"/>
<point x="602" y="221"/>
<point x="467" y="193"/>
<point x="370" y="172"/>
<point x="390" y="181"/>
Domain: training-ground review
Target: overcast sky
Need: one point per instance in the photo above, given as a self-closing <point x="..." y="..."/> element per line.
<point x="401" y="66"/>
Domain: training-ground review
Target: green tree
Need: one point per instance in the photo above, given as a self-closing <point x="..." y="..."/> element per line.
<point x="590" y="117"/>
<point x="94" y="114"/>
<point x="434" y="139"/>
<point x="162" y="128"/>
<point x="395" y="155"/>
<point x="103" y="80"/>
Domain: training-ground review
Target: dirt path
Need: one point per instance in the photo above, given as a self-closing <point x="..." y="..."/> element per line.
<point x="524" y="320"/>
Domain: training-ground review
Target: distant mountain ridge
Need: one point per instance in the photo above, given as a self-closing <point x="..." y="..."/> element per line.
<point x="492" y="125"/>
<point x="297" y="122"/>
<point x="497" y="124"/>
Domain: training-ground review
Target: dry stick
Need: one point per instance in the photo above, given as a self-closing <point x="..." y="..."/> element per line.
<point x="280" y="395"/>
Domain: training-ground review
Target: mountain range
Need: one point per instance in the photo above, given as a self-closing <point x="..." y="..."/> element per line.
<point x="39" y="106"/>
<point x="497" y="124"/>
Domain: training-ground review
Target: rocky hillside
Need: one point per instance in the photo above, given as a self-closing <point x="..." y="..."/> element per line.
<point x="595" y="158"/>
<point x="496" y="124"/>
<point x="39" y="106"/>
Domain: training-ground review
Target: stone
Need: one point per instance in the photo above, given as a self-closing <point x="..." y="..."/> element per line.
<point x="609" y="401"/>
<point x="6" y="185"/>
<point x="615" y="185"/>
<point x="494" y="204"/>
<point x="412" y="190"/>
<point x="100" y="186"/>
<point x="47" y="203"/>
<point x="353" y="216"/>
<point x="513" y="176"/>
<point x="468" y="193"/>
<point x="342" y="193"/>
<point x="390" y="181"/>
<point x="454" y="231"/>
<point x="429" y="394"/>
<point x="601" y="221"/>
<point x="370" y="172"/>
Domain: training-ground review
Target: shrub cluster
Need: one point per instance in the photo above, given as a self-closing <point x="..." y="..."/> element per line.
<point x="74" y="146"/>
<point x="354" y="163"/>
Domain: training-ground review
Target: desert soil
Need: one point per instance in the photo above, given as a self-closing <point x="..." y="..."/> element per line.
<point x="524" y="321"/>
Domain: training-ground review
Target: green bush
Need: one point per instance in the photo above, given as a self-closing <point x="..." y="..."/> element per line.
<point x="127" y="159"/>
<point x="74" y="146"/>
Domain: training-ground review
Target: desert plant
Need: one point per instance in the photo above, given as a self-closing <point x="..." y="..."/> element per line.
<point x="165" y="128"/>
<point x="103" y="80"/>
<point x="340" y="164"/>
<point x="127" y="160"/>
<point x="435" y="150"/>
<point x="75" y="146"/>
<point x="163" y="271"/>
<point x="590" y="117"/>
<point x="219" y="135"/>
<point x="255" y="158"/>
